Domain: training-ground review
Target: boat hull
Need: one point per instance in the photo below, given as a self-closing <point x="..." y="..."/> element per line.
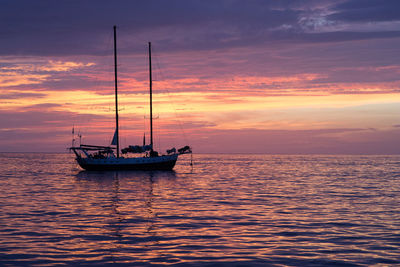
<point x="166" y="163"/>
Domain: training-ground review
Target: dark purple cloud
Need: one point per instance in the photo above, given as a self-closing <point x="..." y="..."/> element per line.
<point x="367" y="11"/>
<point x="77" y="27"/>
<point x="61" y="27"/>
<point x="42" y="117"/>
<point x="20" y="95"/>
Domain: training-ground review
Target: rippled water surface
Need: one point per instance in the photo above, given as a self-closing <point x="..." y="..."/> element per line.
<point x="228" y="210"/>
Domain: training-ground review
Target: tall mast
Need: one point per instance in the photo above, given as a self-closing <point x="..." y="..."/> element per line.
<point x="116" y="89"/>
<point x="151" y="99"/>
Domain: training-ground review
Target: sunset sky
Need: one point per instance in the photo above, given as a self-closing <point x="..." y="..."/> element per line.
<point x="242" y="76"/>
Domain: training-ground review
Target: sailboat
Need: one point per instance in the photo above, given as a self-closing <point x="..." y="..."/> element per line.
<point x="94" y="157"/>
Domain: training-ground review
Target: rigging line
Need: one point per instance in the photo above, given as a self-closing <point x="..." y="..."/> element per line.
<point x="100" y="86"/>
<point x="162" y="77"/>
<point x="155" y="67"/>
<point x="157" y="139"/>
<point x="96" y="82"/>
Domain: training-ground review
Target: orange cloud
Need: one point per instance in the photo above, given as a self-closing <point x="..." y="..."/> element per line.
<point x="63" y="66"/>
<point x="12" y="78"/>
<point x="50" y="65"/>
<point x="29" y="73"/>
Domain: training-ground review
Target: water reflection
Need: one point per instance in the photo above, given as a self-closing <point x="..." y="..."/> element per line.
<point x="127" y="199"/>
<point x="99" y="176"/>
<point x="284" y="210"/>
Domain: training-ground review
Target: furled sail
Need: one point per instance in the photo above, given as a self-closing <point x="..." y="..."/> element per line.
<point x="136" y="149"/>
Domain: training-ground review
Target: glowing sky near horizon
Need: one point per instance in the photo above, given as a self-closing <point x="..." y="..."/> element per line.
<point x="230" y="76"/>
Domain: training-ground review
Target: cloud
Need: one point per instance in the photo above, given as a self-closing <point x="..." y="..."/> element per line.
<point x="42" y="116"/>
<point x="11" y="79"/>
<point x="366" y="11"/>
<point x="41" y="107"/>
<point x="18" y="72"/>
<point x="80" y="26"/>
<point x="224" y="57"/>
<point x="20" y="95"/>
<point x="49" y="66"/>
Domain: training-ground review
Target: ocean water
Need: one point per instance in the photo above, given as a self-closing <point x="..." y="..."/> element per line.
<point x="228" y="210"/>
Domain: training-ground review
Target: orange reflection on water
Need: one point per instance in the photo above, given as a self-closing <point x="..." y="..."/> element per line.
<point x="247" y="208"/>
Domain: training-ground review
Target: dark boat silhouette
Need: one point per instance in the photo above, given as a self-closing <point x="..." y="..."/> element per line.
<point x="93" y="157"/>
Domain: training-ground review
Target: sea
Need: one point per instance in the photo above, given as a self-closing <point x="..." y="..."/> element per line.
<point x="223" y="210"/>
